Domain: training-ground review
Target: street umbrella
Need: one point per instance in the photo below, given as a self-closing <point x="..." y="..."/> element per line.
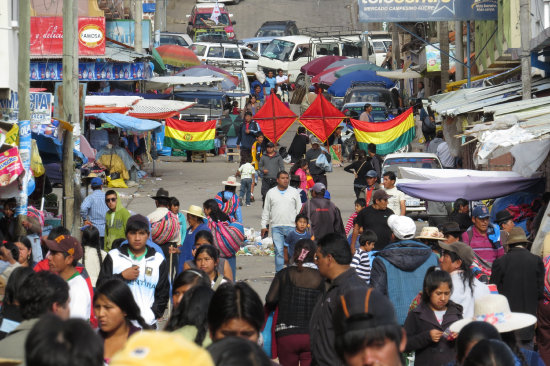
<point x="228" y="83"/>
<point x="347" y="62"/>
<point x="343" y="83"/>
<point x="317" y="65"/>
<point x="177" y="56"/>
<point x="230" y="125"/>
<point x="327" y="77"/>
<point x="274" y="118"/>
<point x="358" y="67"/>
<point x="321" y="118"/>
<point x="158" y="64"/>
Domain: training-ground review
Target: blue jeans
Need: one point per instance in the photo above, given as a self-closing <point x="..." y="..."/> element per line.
<point x="278" y="234"/>
<point x="246" y="186"/>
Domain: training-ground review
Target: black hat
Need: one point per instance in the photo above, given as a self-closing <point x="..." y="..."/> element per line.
<point x="162" y="194"/>
<point x="503" y="216"/>
<point x="362" y="308"/>
<point x="450" y="227"/>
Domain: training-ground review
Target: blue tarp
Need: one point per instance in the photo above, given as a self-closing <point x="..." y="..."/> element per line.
<point x="51" y="149"/>
<point x="127" y="123"/>
<point x="342" y="84"/>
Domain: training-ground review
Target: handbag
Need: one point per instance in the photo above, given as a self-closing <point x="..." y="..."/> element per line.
<point x="228" y="237"/>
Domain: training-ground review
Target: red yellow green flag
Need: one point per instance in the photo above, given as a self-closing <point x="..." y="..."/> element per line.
<point x="194" y="136"/>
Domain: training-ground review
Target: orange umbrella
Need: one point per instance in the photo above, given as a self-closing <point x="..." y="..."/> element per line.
<point x="177" y="56"/>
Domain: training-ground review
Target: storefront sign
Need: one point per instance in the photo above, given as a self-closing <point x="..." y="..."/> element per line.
<point x="40" y="106"/>
<point x="93" y="71"/>
<point x="10" y="166"/>
<point x="47" y="36"/>
<point x="423" y="10"/>
<point x="124" y="31"/>
<point x="433" y="58"/>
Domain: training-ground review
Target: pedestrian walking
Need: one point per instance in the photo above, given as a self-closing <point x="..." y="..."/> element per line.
<point x="92" y="254"/>
<point x="359" y="169"/>
<point x="271" y="163"/>
<point x="299" y="233"/>
<point x="207" y="259"/>
<point x="247" y="135"/>
<point x="228" y="200"/>
<point x="93" y="208"/>
<point x="298" y="146"/>
<point x="204" y="237"/>
<point x="481" y="236"/>
<point x="396" y="200"/>
<point x="318" y="173"/>
<point x="324" y="216"/>
<point x="282" y="204"/>
<point x="362" y="259"/>
<point x="247" y="174"/>
<point x="115" y="219"/>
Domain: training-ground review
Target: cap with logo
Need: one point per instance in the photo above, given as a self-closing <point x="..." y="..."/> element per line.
<point x="481" y="212"/>
<point x="372" y="174"/>
<point x="65" y="244"/>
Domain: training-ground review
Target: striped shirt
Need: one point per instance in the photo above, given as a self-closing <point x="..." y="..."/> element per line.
<point x="362" y="264"/>
<point x="93" y="208"/>
<point x="350" y="223"/>
<point x="482" y="246"/>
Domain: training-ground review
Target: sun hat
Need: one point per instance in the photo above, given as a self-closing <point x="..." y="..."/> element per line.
<point x="503" y="216"/>
<point x="450" y="227"/>
<point x="96" y="182"/>
<point x="481" y="212"/>
<point x="376" y="308"/>
<point x="319" y="187"/>
<point x="154" y="348"/>
<point x="161" y="194"/>
<point x="517" y="236"/>
<point x="380" y="194"/>
<point x="463" y="250"/>
<point x="372" y="174"/>
<point x="494" y="309"/>
<point x="65" y="244"/>
<point x="430" y="233"/>
<point x="403" y="227"/>
<point x="231" y="181"/>
<point x="195" y="211"/>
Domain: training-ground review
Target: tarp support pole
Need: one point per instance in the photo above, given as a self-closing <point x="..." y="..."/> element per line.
<point x="468" y="60"/>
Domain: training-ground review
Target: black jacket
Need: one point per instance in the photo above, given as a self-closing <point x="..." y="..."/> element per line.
<point x="519" y="275"/>
<point x="298" y="146"/>
<point x="418" y="325"/>
<point x="311" y="157"/>
<point x="324" y="218"/>
<point x="361" y="168"/>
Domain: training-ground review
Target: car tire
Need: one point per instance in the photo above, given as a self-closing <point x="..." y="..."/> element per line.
<point x="300" y="81"/>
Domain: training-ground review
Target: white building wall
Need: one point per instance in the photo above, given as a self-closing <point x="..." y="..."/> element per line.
<point x="8" y="46"/>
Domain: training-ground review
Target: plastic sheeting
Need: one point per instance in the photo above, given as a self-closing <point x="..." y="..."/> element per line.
<point x="529" y="156"/>
<point x="427" y="174"/>
<point x="127" y="123"/>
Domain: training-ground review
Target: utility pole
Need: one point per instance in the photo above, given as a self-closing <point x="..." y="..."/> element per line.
<point x="138" y="16"/>
<point x="160" y="16"/>
<point x="70" y="113"/>
<point x="459" y="50"/>
<point x="24" y="112"/>
<point x="444" y="45"/>
<point x="396" y="53"/>
<point x="525" y="29"/>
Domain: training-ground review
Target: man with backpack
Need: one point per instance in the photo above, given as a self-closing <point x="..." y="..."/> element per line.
<point x="482" y="236"/>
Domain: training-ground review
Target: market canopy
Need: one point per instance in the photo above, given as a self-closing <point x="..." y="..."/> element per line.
<point x="127" y="123"/>
<point x="343" y="83"/>
<point x="469" y="188"/>
<point x="319" y="64"/>
<point x="163" y="82"/>
<point x="427" y="174"/>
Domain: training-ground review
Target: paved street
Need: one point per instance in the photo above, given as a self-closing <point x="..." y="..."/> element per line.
<point x="250" y="14"/>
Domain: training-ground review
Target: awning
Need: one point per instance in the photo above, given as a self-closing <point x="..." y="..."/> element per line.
<point x="399" y="74"/>
<point x="127" y="123"/>
<point x="162" y="82"/>
<point x="158" y="109"/>
<point x="427" y="174"/>
<point x="111" y="100"/>
<point x="469" y="188"/>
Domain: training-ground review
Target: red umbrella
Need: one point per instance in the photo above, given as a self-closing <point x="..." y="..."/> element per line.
<point x="317" y="65"/>
<point x="177" y="56"/>
<point x="274" y="118"/>
<point x="327" y="77"/>
<point x="321" y="118"/>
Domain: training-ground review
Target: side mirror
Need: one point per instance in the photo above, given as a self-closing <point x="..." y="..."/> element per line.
<point x="233" y="22"/>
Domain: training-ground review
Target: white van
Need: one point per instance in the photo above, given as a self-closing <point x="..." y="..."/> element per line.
<point x="230" y="52"/>
<point x="292" y="52"/>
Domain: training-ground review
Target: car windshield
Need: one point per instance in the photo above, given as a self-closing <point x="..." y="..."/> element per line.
<point x="216" y="36"/>
<point x="379" y="113"/>
<point x="279" y="50"/>
<point x="198" y="49"/>
<point x="203" y="19"/>
<point x="368" y="96"/>
<point x="379" y="46"/>
<point x="213" y="102"/>
<point x="270" y="32"/>
<point x="173" y="40"/>
<point x="393" y="164"/>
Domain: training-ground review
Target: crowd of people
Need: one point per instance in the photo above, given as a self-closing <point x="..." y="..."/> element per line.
<point x="140" y="290"/>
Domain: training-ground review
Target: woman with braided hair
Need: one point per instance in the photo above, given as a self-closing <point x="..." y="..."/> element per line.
<point x="92" y="254"/>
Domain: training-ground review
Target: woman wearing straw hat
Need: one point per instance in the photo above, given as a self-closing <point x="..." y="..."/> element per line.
<point x="494" y="309"/>
<point x="228" y="200"/>
<point x="196" y="221"/>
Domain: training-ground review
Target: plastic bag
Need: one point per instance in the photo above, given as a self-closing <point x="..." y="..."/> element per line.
<point x="323" y="163"/>
<point x="116" y="183"/>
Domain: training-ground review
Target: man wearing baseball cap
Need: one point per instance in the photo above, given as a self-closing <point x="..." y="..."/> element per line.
<point x="324" y="216"/>
<point x="93" y="208"/>
<point x="375" y="218"/>
<point x="480" y="236"/>
<point x="318" y="174"/>
<point x="63" y="255"/>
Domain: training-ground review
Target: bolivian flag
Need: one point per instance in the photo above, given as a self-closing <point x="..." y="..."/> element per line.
<point x="194" y="136"/>
<point x="388" y="136"/>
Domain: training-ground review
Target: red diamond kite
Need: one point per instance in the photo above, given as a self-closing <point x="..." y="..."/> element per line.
<point x="274" y="118"/>
<point x="321" y="118"/>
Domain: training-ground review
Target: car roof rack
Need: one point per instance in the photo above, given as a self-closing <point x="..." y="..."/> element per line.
<point x="367" y="83"/>
<point x="235" y="65"/>
<point x="330" y="31"/>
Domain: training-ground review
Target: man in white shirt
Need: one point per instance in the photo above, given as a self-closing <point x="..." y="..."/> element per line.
<point x="282" y="81"/>
<point x="282" y="204"/>
<point x="64" y="252"/>
<point x="444" y="155"/>
<point x="397" y="200"/>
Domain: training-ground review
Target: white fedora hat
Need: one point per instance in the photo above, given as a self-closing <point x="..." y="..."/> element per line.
<point x="494" y="309"/>
<point x="231" y="181"/>
<point x="195" y="211"/>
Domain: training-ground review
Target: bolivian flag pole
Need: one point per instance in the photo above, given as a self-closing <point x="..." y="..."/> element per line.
<point x="388" y="136"/>
<point x="192" y="136"/>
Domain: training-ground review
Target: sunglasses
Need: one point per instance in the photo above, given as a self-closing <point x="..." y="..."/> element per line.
<point x="110" y="199"/>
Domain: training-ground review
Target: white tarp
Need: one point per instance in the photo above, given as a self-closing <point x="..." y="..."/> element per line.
<point x="496" y="143"/>
<point x="111" y="100"/>
<point x="428" y="174"/>
<point x="529" y="156"/>
<point x="160" y="106"/>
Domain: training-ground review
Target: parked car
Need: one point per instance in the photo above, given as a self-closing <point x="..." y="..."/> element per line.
<point x="435" y="212"/>
<point x="278" y="28"/>
<point x="292" y="52"/>
<point x="361" y="93"/>
<point x="200" y="19"/>
<point x="257" y="44"/>
<point x="211" y="35"/>
<point x="381" y="48"/>
<point x="180" y="39"/>
<point x="209" y="104"/>
<point x="234" y="54"/>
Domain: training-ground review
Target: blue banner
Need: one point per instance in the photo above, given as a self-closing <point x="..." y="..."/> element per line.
<point x="421" y="11"/>
<point x="25" y="154"/>
<point x="93" y="71"/>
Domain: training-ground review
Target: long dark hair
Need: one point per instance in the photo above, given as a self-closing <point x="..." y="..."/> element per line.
<point x="27" y="243"/>
<point x="307" y="245"/>
<point x="459" y="202"/>
<point x="216" y="214"/>
<point x="466" y="274"/>
<point x="119" y="293"/>
<point x="204" y="234"/>
<point x="15" y="281"/>
<point x="211" y="251"/>
<point x="300" y="163"/>
<point x="90" y="238"/>
<point x="473" y="332"/>
<point x="195" y="277"/>
<point x="191" y="311"/>
<point x="511" y="340"/>
<point x="433" y="279"/>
